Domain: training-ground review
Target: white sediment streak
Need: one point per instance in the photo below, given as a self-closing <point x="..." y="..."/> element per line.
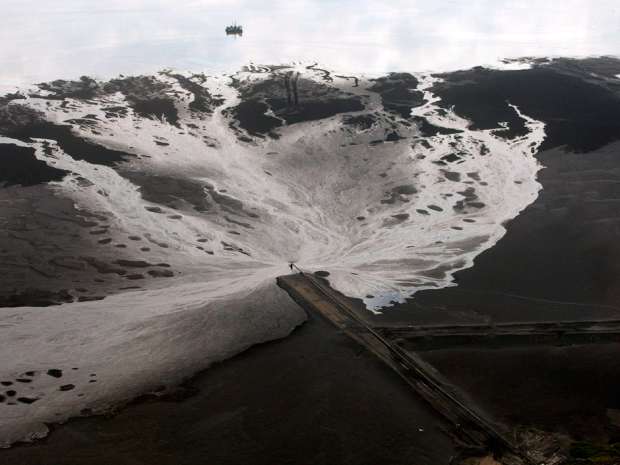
<point x="132" y="343"/>
<point x="429" y="246"/>
<point x="385" y="220"/>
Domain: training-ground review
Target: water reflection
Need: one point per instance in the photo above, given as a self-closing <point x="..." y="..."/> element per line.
<point x="41" y="39"/>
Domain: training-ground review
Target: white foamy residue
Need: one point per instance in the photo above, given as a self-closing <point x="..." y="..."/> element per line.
<point x="385" y="220"/>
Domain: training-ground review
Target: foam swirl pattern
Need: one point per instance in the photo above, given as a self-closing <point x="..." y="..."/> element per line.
<point x="219" y="183"/>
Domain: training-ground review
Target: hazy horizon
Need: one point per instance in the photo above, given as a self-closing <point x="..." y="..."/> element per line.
<point x="67" y="39"/>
